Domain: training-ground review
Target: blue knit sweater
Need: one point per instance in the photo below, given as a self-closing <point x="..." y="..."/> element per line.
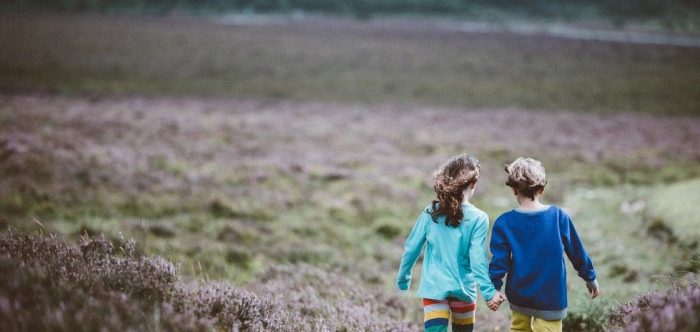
<point x="530" y="247"/>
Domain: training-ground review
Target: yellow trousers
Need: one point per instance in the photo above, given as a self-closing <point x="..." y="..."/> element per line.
<point x="521" y="323"/>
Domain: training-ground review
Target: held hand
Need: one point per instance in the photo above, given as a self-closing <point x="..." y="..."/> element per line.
<point x="495" y="302"/>
<point x="492" y="305"/>
<point x="593" y="288"/>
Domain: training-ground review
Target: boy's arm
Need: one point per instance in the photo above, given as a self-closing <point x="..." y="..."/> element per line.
<point x="412" y="248"/>
<point x="575" y="251"/>
<point x="500" y="255"/>
<point x="478" y="260"/>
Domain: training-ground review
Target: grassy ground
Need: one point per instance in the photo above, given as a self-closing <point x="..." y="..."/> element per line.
<point x="404" y="61"/>
<point x="674" y="208"/>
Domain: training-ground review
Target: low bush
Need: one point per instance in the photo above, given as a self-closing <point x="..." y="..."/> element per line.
<point x="587" y="316"/>
<point x="677" y="309"/>
<point x="47" y="283"/>
<point x="334" y="300"/>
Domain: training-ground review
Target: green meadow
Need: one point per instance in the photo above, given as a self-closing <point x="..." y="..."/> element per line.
<point x="340" y="60"/>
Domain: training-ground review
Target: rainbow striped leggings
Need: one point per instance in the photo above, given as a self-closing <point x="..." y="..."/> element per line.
<point x="436" y="314"/>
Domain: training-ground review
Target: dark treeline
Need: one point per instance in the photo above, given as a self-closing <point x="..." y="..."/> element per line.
<point x="619" y="10"/>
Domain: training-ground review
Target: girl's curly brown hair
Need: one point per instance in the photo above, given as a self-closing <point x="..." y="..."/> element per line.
<point x="451" y="179"/>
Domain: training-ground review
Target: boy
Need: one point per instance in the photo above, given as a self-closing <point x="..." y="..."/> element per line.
<point x="528" y="243"/>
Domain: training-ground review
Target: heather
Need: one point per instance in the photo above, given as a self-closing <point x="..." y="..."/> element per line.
<point x="677" y="309"/>
<point x="98" y="284"/>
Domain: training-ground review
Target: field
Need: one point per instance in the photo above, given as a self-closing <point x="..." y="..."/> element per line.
<point x="398" y="62"/>
<point x="296" y="155"/>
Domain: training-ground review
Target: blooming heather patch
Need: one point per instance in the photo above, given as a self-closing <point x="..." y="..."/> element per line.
<point x="677" y="309"/>
<point x="49" y="284"/>
<point x="334" y="301"/>
<point x="68" y="149"/>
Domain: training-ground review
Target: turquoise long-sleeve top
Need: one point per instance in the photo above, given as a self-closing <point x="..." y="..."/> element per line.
<point x="455" y="261"/>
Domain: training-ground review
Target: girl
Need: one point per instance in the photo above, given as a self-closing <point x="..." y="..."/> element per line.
<point x="455" y="259"/>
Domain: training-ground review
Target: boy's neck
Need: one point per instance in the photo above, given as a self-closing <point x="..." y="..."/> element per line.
<point x="525" y="203"/>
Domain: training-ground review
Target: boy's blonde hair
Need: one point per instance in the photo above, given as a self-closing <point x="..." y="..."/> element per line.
<point x="526" y="176"/>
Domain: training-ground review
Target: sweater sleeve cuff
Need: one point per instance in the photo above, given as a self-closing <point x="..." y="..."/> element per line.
<point x="489" y="294"/>
<point x="593" y="284"/>
<point x="497" y="285"/>
<point x="588" y="275"/>
<point x="404" y="283"/>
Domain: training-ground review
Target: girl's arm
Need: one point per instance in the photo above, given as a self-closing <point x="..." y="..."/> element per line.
<point x="478" y="259"/>
<point x="412" y="248"/>
<point x="500" y="255"/>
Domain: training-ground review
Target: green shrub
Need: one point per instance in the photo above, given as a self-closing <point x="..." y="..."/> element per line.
<point x="587" y="316"/>
<point x="225" y="209"/>
<point x="388" y="231"/>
